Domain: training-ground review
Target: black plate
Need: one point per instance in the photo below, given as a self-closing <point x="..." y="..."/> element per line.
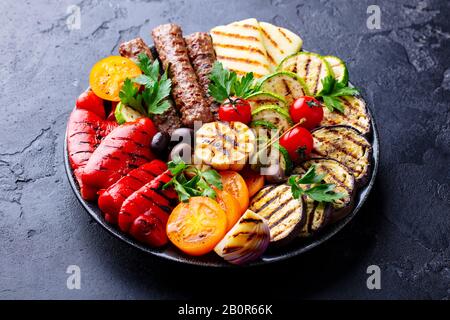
<point x="297" y="247"/>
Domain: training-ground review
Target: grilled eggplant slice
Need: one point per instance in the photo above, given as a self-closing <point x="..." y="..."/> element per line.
<point x="239" y="46"/>
<point x="337" y="174"/>
<point x="318" y="215"/>
<point x="285" y="84"/>
<point x="285" y="215"/>
<point x="346" y="145"/>
<point x="355" y="115"/>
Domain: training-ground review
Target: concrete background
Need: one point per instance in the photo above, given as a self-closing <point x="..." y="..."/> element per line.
<point x="403" y="68"/>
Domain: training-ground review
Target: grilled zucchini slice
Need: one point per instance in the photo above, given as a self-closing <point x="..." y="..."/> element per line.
<point x="355" y="115"/>
<point x="124" y="113"/>
<point x="239" y="46"/>
<point x="310" y="67"/>
<point x="346" y="145"/>
<point x="339" y="175"/>
<point x="279" y="42"/>
<point x="338" y="69"/>
<point x="285" y="84"/>
<point x="285" y="215"/>
<point x="224" y="145"/>
<point x="276" y="115"/>
<point x="262" y="98"/>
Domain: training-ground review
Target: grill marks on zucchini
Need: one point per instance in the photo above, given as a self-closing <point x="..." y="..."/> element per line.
<point x="286" y="85"/>
<point x="345" y="145"/>
<point x="285" y="215"/>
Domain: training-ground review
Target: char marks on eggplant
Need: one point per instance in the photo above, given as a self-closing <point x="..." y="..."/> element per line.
<point x="284" y="214"/>
<point x="346" y="145"/>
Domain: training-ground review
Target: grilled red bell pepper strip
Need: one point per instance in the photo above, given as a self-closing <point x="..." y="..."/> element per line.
<point x="144" y="214"/>
<point x="126" y="148"/>
<point x="85" y="131"/>
<point x="89" y="101"/>
<point x="111" y="199"/>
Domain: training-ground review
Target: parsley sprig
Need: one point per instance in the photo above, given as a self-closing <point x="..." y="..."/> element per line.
<point x="156" y="89"/>
<point x="200" y="183"/>
<point x="318" y="191"/>
<point x="226" y="84"/>
<point x="331" y="92"/>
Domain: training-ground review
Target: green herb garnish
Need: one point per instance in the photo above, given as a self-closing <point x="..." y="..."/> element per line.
<point x="331" y="92"/>
<point x="156" y="89"/>
<point x="226" y="84"/>
<point x="318" y="191"/>
<point x="199" y="185"/>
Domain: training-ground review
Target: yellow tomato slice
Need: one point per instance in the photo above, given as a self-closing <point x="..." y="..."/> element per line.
<point x="235" y="185"/>
<point x="197" y="226"/>
<point x="230" y="205"/>
<point x="107" y="76"/>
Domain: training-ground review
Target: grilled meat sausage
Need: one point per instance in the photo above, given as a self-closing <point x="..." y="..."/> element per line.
<point x="186" y="90"/>
<point x="202" y="56"/>
<point x="126" y="148"/>
<point x="131" y="49"/>
<point x="111" y="199"/>
<point x="169" y="120"/>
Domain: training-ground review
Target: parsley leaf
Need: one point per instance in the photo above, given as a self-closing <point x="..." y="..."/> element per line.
<point x="153" y="98"/>
<point x="129" y="95"/>
<point x="331" y="92"/>
<point x="201" y="183"/>
<point x="321" y="192"/>
<point x="225" y="84"/>
<point x="311" y="177"/>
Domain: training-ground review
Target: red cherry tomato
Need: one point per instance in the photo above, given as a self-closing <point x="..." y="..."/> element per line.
<point x="89" y="101"/>
<point x="298" y="142"/>
<point x="309" y="109"/>
<point x="235" y="109"/>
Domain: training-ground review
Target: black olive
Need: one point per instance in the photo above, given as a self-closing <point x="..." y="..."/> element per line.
<point x="181" y="135"/>
<point x="160" y="144"/>
<point x="182" y="150"/>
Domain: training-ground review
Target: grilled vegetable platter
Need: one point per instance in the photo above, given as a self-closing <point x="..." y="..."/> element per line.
<point x="228" y="147"/>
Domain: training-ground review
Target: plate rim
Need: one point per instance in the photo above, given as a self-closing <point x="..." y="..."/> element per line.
<point x="362" y="195"/>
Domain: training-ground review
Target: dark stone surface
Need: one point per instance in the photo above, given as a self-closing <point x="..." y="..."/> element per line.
<point x="403" y="68"/>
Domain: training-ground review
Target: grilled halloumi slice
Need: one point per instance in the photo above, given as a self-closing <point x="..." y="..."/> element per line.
<point x="285" y="215"/>
<point x="355" y="115"/>
<point x="224" y="145"/>
<point x="279" y="42"/>
<point x="346" y="145"/>
<point x="239" y="46"/>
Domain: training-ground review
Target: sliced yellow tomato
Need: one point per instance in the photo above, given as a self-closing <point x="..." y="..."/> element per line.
<point x="235" y="185"/>
<point x="107" y="76"/>
<point x="197" y="226"/>
<point x="230" y="205"/>
<point x="254" y="181"/>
